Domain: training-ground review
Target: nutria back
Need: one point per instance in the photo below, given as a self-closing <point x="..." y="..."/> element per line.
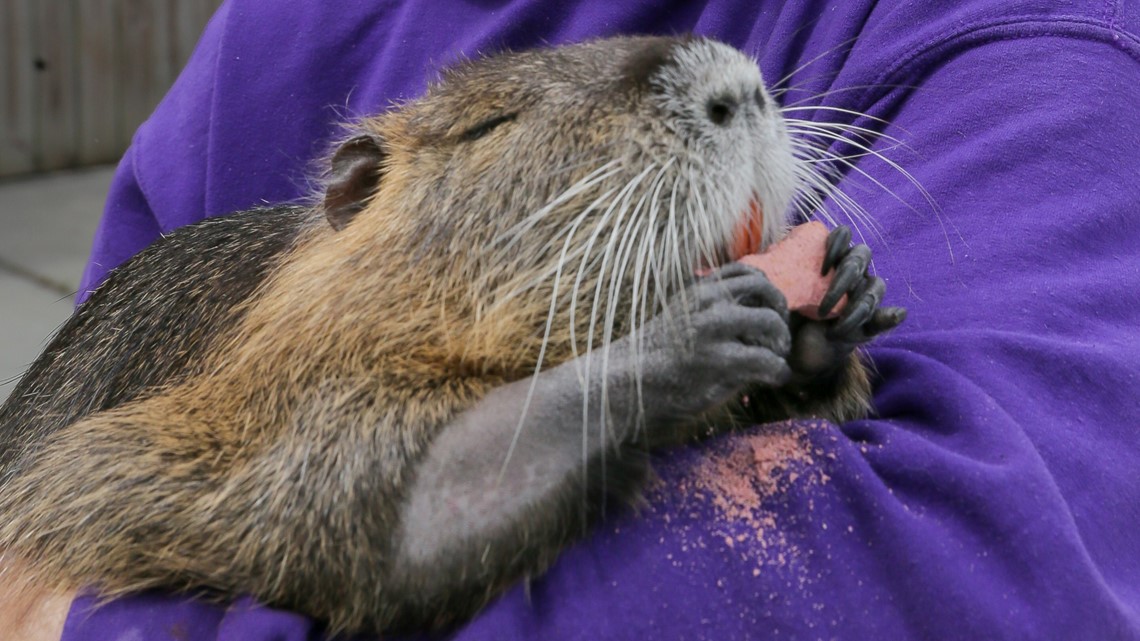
<point x="148" y="325"/>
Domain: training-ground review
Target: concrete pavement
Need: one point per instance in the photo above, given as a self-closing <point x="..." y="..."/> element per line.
<point x="46" y="226"/>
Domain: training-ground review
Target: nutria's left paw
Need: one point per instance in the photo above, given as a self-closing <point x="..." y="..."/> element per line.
<point x="821" y="346"/>
<point x="862" y="318"/>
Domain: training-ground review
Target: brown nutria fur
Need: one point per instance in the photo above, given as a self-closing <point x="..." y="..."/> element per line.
<point x="270" y="402"/>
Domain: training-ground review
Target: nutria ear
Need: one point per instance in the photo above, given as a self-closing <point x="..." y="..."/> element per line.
<point x="355" y="172"/>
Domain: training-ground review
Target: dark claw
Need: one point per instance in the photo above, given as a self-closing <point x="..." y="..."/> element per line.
<point x="860" y="308"/>
<point x="857" y="313"/>
<point x="861" y="289"/>
<point x="847" y="275"/>
<point x="884" y="319"/>
<point x="838" y="244"/>
<point x="872" y="288"/>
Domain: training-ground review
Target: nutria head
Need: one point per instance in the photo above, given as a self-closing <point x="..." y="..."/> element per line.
<point x="591" y="176"/>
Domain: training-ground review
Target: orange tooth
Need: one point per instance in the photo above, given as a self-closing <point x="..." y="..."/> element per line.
<point x="749" y="236"/>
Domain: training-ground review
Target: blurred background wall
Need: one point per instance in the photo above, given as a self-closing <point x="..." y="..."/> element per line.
<point x="79" y="76"/>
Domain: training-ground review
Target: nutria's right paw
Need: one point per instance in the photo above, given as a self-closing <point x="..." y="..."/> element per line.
<point x="728" y="330"/>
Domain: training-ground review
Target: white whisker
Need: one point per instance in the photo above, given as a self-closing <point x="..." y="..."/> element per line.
<point x="546" y="331"/>
<point x="809" y="63"/>
<point x="831" y="92"/>
<point x="584" y="370"/>
<point x="903" y="172"/>
<point x="516" y="233"/>
<point x="849" y="112"/>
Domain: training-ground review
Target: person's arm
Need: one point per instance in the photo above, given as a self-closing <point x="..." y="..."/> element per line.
<point x="29" y="614"/>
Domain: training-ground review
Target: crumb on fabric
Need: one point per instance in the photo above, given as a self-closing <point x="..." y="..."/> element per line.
<point x="737" y="480"/>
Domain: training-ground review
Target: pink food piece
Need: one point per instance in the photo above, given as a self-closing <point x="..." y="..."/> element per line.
<point x="793" y="266"/>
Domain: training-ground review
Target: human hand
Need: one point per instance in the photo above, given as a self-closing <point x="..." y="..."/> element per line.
<point x="30" y="614"/>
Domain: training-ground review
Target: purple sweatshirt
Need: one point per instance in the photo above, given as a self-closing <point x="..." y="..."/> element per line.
<point x="996" y="494"/>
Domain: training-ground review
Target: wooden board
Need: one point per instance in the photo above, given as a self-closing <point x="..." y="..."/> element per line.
<point x="17" y="96"/>
<point x="135" y="30"/>
<point x="100" y="135"/>
<point x="77" y="77"/>
<point x="56" y="96"/>
<point x="188" y="19"/>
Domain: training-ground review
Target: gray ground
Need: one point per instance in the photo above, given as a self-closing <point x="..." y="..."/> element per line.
<point x="46" y="226"/>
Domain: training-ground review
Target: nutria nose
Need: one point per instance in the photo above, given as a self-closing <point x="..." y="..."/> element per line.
<point x="721" y="109"/>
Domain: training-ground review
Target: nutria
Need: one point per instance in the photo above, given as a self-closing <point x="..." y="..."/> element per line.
<point x="383" y="408"/>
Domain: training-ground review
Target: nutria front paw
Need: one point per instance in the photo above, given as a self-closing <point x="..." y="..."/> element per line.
<point x="822" y="346"/>
<point x="727" y="330"/>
